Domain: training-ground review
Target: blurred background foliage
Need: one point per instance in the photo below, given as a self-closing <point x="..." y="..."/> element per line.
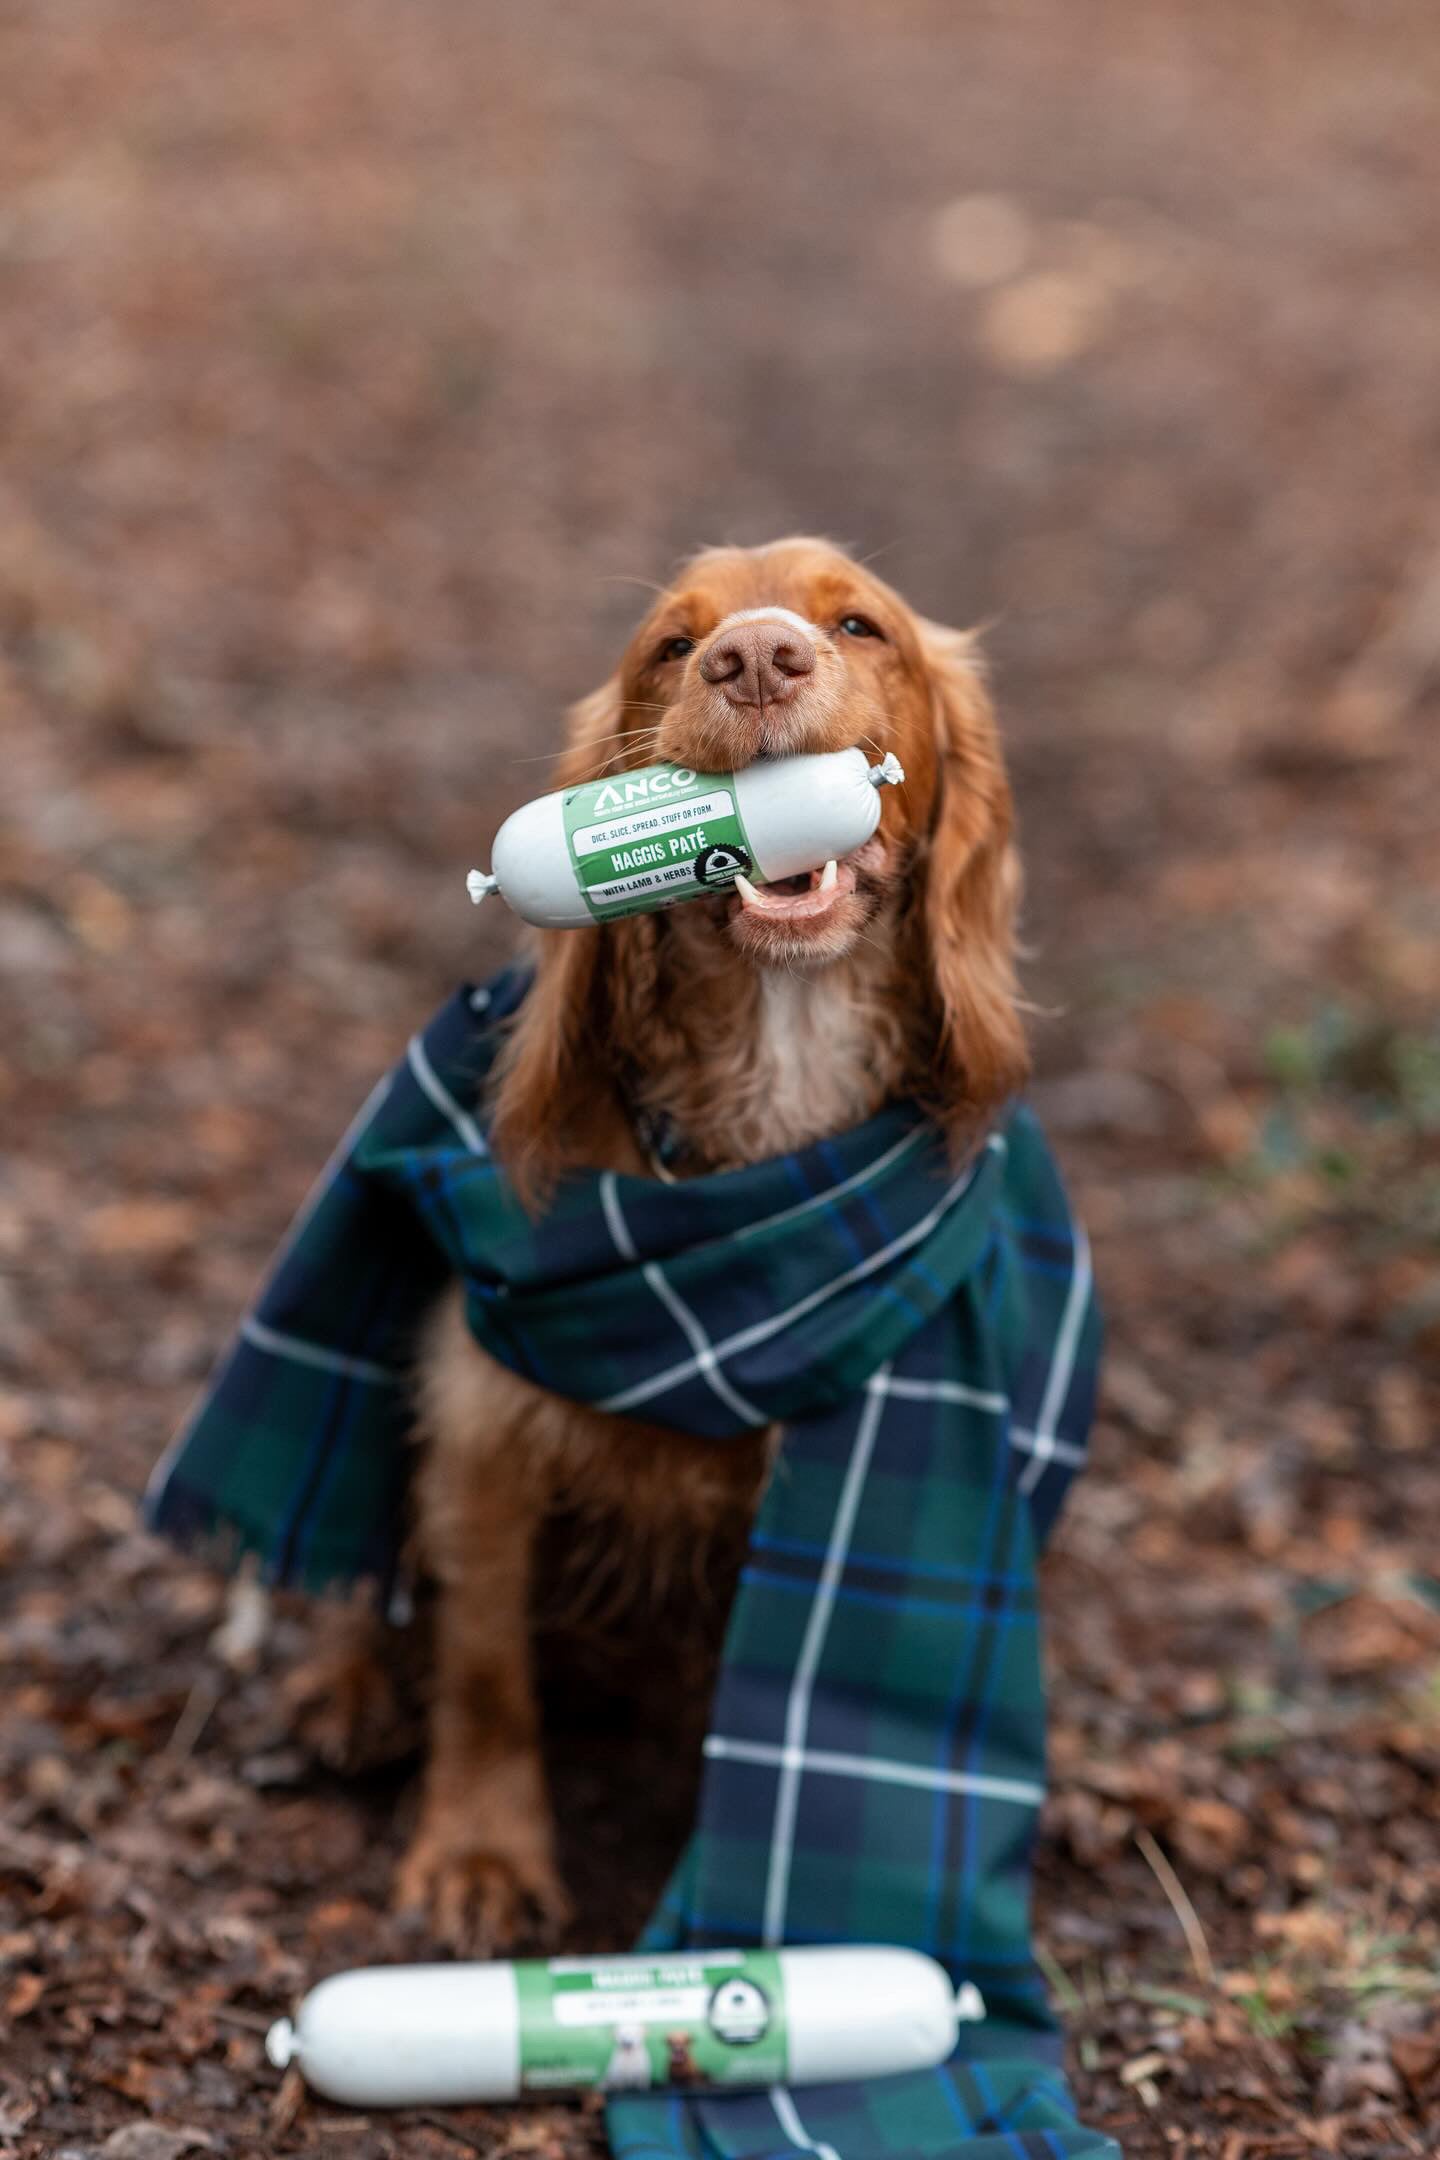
<point x="358" y="367"/>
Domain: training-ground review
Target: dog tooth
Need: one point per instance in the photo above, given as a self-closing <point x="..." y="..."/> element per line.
<point x="829" y="874"/>
<point x="745" y="889"/>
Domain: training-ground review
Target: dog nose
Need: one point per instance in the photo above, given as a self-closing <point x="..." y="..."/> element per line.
<point x="758" y="663"/>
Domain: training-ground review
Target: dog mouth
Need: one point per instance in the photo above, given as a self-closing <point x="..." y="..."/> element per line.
<point x="810" y="899"/>
<point x="815" y="917"/>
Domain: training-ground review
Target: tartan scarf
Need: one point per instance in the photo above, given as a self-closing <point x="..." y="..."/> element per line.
<point x="928" y="1338"/>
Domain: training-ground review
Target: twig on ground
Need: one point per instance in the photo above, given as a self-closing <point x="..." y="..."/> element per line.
<point x="451" y="2130"/>
<point x="1184" y="1911"/>
<point x="199" y="1707"/>
<point x="1062" y="1986"/>
<point x="248" y="2020"/>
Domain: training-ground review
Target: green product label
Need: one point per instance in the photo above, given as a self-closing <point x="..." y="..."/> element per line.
<point x="639" y="840"/>
<point x="717" y="2018"/>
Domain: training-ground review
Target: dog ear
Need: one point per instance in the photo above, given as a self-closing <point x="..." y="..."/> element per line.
<point x="551" y="1090"/>
<point x="544" y="1086"/>
<point x="972" y="887"/>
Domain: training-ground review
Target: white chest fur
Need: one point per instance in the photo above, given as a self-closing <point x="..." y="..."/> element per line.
<point x="814" y="1054"/>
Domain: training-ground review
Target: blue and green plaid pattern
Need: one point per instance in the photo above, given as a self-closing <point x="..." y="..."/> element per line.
<point x="928" y="1337"/>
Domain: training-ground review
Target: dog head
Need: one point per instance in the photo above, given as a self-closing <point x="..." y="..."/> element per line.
<point x="768" y="652"/>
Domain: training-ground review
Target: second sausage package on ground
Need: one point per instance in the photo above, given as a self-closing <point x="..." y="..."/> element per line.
<point x="437" y="2035"/>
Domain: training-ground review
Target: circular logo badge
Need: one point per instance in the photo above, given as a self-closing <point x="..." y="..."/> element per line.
<point x="718" y="865"/>
<point x="739" y="2013"/>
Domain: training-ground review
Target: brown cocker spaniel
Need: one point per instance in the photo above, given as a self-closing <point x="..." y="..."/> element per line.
<point x="739" y="1026"/>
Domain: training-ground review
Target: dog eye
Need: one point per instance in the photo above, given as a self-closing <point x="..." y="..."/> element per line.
<point x="858" y="626"/>
<point x="675" y="648"/>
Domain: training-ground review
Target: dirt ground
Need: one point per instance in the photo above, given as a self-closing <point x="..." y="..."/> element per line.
<point x="354" y="364"/>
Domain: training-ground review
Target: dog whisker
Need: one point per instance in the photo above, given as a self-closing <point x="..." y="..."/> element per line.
<point x="886" y="547"/>
<point x="622" y="735"/>
<point x="616" y="735"/>
<point x="623" y="577"/>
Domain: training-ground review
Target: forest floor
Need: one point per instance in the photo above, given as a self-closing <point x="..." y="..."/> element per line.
<point x="355" y="364"/>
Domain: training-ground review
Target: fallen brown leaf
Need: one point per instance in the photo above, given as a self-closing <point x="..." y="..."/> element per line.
<point x="24" y="1994"/>
<point x="141" y="1229"/>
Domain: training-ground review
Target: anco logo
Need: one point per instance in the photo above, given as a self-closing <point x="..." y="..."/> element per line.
<point x="630" y="788"/>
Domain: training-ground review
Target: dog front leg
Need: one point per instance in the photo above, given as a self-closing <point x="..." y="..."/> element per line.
<point x="481" y="1865"/>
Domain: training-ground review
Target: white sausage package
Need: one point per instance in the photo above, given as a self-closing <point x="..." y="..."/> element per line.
<point x="452" y="2035"/>
<point x="634" y="841"/>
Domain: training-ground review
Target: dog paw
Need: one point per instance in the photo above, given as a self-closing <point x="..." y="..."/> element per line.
<point x="344" y="1708"/>
<point x="477" y="1901"/>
